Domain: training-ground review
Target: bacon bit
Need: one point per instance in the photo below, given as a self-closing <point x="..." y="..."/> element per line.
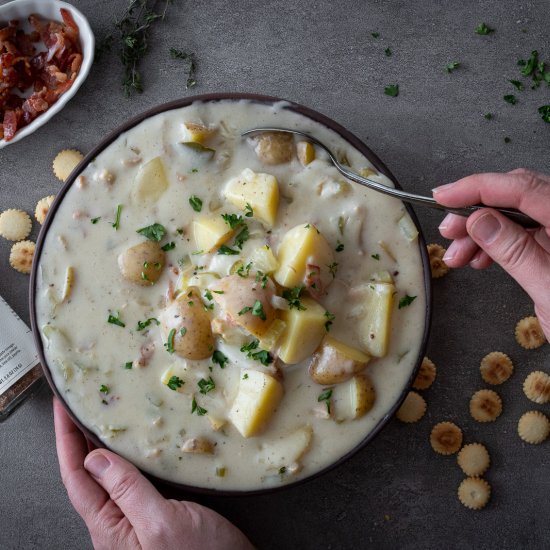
<point x="313" y="281"/>
<point x="48" y="74"/>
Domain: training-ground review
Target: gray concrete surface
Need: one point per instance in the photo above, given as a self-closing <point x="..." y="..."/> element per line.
<point x="396" y="493"/>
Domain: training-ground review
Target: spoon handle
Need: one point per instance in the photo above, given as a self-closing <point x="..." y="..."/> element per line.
<point x="515" y="215"/>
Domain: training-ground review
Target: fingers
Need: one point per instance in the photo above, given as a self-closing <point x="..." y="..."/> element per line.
<point x="134" y="495"/>
<point x="460" y="252"/>
<point x="521" y="189"/>
<point x="514" y="249"/>
<point x="453" y="227"/>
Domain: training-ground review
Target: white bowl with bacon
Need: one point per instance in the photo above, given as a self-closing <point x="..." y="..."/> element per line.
<point x="57" y="63"/>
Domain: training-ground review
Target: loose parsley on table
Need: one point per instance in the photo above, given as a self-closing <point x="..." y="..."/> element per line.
<point x="192" y="65"/>
<point x="510" y="98"/>
<point x="392" y="90"/>
<point x="452" y="66"/>
<point x="483" y="28"/>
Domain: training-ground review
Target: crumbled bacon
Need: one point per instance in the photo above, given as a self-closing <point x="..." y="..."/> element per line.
<point x="48" y="74"/>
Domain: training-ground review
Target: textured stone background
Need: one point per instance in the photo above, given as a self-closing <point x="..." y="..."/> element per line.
<point x="396" y="493"/>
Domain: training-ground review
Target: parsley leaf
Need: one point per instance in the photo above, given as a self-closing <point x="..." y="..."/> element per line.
<point x="510" y="98"/>
<point x="153" y="232"/>
<point x="544" y="112"/>
<point x="375" y="34"/>
<point x="244" y="310"/>
<point x="375" y="256"/>
<point x="232" y="220"/>
<point x="388" y="52"/>
<point x="244" y="270"/>
<point x="258" y="310"/>
<point x="169" y="246"/>
<point x="339" y="246"/>
<point x="392" y="90"/>
<point x="242" y="237"/>
<point x="95" y="220"/>
<point x="248" y="211"/>
<point x="115" y="320"/>
<point x="262" y="356"/>
<point x="325" y="396"/>
<point x="128" y="365"/>
<point x="517" y="84"/>
<point x="483" y="28"/>
<point x="169" y="345"/>
<point x="104" y="389"/>
<point x="452" y="66"/>
<point x="488" y="116"/>
<point x="406" y="301"/>
<point x="192" y="65"/>
<point x="195" y="408"/>
<point x="531" y="64"/>
<point x="330" y="317"/>
<point x="225" y="250"/>
<point x="196" y="203"/>
<point x="293" y="297"/>
<point x="206" y="385"/>
<point x="144" y="324"/>
<point x="219" y="358"/>
<point x="175" y="382"/>
<point x="116" y="225"/>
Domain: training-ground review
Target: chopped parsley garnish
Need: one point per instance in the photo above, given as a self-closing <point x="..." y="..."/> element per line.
<point x="195" y="408"/>
<point x="95" y="220"/>
<point x="258" y="310"/>
<point x="244" y="270"/>
<point x="531" y="65"/>
<point x="115" y="320"/>
<point x="225" y="250"/>
<point x="392" y="90"/>
<point x="195" y="202"/>
<point x="183" y="331"/>
<point x="153" y="232"/>
<point x="194" y="171"/>
<point x="262" y="356"/>
<point x="169" y="345"/>
<point x="128" y="365"/>
<point x="248" y="211"/>
<point x="116" y="225"/>
<point x="330" y="317"/>
<point x="218" y="292"/>
<point x="244" y="310"/>
<point x="375" y="256"/>
<point x="375" y="34"/>
<point x="488" y="116"/>
<point x="510" y="98"/>
<point x="282" y="470"/>
<point x="191" y="66"/>
<point x="169" y="246"/>
<point x="333" y="268"/>
<point x="208" y="295"/>
<point x="406" y="301"/>
<point x="483" y="28"/>
<point x="325" y="396"/>
<point x="339" y="246"/>
<point x="388" y="52"/>
<point x="245" y="376"/>
<point x="517" y="84"/>
<point x="104" y="389"/>
<point x="219" y="358"/>
<point x="293" y="297"/>
<point x="144" y="324"/>
<point x="544" y="112"/>
<point x="261" y="278"/>
<point x="232" y="220"/>
<point x="242" y="237"/>
<point x="452" y="66"/>
<point x="206" y="385"/>
<point x="175" y="382"/>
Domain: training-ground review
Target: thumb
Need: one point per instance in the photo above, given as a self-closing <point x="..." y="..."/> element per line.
<point x="136" y="497"/>
<point x="514" y="249"/>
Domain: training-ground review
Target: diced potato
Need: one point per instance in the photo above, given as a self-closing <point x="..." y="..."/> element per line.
<point x="197" y="445"/>
<point x="375" y="326"/>
<point x="301" y="246"/>
<point x="381" y="277"/>
<point x="203" y="279"/>
<point x="304" y="331"/>
<point x="216" y="422"/>
<point x="260" y="191"/>
<point x="270" y="338"/>
<point x="207" y="152"/>
<point x="180" y="372"/>
<point x="407" y="227"/>
<point x="143" y="263"/>
<point x="210" y="233"/>
<point x="263" y="260"/>
<point x="335" y="362"/>
<point x="150" y="182"/>
<point x="354" y="398"/>
<point x="275" y="147"/>
<point x="197" y="133"/>
<point x="258" y="396"/>
<point x="306" y="152"/>
<point x="287" y="450"/>
<point x="238" y="298"/>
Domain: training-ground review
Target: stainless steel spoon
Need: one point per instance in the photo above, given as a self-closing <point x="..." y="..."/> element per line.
<point x="515" y="215"/>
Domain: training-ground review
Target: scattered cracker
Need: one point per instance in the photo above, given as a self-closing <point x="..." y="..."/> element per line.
<point x="42" y="208"/>
<point x="485" y="406"/>
<point x="21" y="256"/>
<point x="426" y="375"/>
<point x="437" y="265"/>
<point x="533" y="427"/>
<point x="65" y="162"/>
<point x="15" y="225"/>
<point x="446" y="438"/>
<point x="474" y="493"/>
<point x="529" y="334"/>
<point x="474" y="459"/>
<point x="412" y="409"/>
<point x="496" y="367"/>
<point x="537" y="387"/>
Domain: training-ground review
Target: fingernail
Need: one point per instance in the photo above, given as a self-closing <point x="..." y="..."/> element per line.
<point x="96" y="464"/>
<point x="450" y="253"/>
<point x="443" y="187"/>
<point x="443" y="226"/>
<point x="485" y="228"/>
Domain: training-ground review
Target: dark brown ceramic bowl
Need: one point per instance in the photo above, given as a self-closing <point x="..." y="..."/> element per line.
<point x="294" y="107"/>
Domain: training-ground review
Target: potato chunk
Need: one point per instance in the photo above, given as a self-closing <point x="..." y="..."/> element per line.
<point x="306" y="152"/>
<point x="303" y="246"/>
<point x="143" y="263"/>
<point x="150" y="182"/>
<point x="375" y="327"/>
<point x="354" y="398"/>
<point x="260" y="191"/>
<point x="275" y="147"/>
<point x="287" y="451"/>
<point x="258" y="396"/>
<point x="186" y="327"/>
<point x="263" y="260"/>
<point x="197" y="133"/>
<point x="246" y="302"/>
<point x="304" y="331"/>
<point x="197" y="445"/>
<point x="335" y="362"/>
<point x="210" y="233"/>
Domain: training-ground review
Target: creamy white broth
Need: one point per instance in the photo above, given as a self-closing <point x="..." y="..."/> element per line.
<point x="141" y="417"/>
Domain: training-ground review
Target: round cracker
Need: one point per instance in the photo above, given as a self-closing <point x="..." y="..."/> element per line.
<point x="42" y="208"/>
<point x="21" y="256"/>
<point x="15" y="225"/>
<point x="412" y="409"/>
<point x="65" y="162"/>
<point x="474" y="493"/>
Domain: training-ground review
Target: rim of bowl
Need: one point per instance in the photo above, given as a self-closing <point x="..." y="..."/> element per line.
<point x="265" y="100"/>
<point x="87" y="43"/>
